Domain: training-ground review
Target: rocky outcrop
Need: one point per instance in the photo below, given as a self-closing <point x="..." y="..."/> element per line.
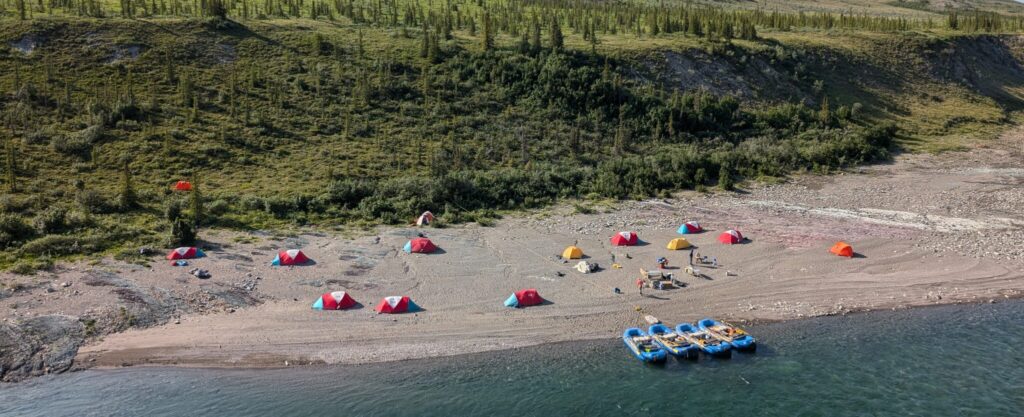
<point x="39" y="346"/>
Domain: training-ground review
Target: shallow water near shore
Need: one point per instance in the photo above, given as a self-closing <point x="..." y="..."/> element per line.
<point x="951" y="360"/>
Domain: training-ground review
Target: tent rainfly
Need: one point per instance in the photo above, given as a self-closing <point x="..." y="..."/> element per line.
<point x="730" y="237"/>
<point x="678" y="243"/>
<point x="419" y="245"/>
<point x="290" y="257"/>
<point x="524" y="298"/>
<point x="182" y="186"/>
<point x="336" y="300"/>
<point x="690" y="228"/>
<point x="425" y="219"/>
<point x="625" y="239"/>
<point x="572" y="252"/>
<point x="396" y="304"/>
<point x="842" y="249"/>
<point x="185" y="252"/>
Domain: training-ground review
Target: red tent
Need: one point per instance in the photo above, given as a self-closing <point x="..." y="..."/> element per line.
<point x="730" y="237"/>
<point x="396" y="304"/>
<point x="183" y="186"/>
<point x="525" y="298"/>
<point x="290" y="257"/>
<point x="842" y="249"/>
<point x="337" y="300"/>
<point x="624" y="239"/>
<point x="420" y="245"/>
<point x="187" y="252"/>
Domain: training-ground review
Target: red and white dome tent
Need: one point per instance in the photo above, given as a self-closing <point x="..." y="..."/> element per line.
<point x="396" y="304"/>
<point x="185" y="252"/>
<point x="625" y="239"/>
<point x="290" y="257"/>
<point x="731" y="237"/>
<point x="336" y="300"/>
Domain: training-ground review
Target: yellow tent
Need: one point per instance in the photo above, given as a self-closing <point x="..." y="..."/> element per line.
<point x="678" y="243"/>
<point x="572" y="252"/>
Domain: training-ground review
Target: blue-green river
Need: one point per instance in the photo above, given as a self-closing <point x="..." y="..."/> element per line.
<point x="946" y="361"/>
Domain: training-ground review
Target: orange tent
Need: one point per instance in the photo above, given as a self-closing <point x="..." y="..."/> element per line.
<point x="183" y="186"/>
<point x="842" y="249"/>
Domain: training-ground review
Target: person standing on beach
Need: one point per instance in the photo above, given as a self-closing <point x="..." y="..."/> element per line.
<point x="640" y="285"/>
<point x="691" y="256"/>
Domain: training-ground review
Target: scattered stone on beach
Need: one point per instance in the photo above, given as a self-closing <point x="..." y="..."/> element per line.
<point x="200" y="273"/>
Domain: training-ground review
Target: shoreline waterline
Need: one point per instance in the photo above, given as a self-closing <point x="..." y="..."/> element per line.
<point x="877" y="363"/>
<point x="298" y="362"/>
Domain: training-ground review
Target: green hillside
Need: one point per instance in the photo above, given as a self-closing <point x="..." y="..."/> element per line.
<point x="358" y="113"/>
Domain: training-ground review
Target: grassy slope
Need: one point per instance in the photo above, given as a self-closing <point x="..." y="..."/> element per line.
<point x="935" y="114"/>
<point x="303" y="146"/>
<point x="906" y="8"/>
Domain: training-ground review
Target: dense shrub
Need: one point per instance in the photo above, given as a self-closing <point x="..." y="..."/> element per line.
<point x="173" y="209"/>
<point x="183" y="232"/>
<point x="77" y="143"/>
<point x="52" y="220"/>
<point x="14" y="230"/>
<point x="92" y="201"/>
<point x="218" y="207"/>
<point x="71" y="145"/>
<point x="56" y="245"/>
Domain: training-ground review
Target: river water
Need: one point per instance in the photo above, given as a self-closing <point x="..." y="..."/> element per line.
<point x="952" y="360"/>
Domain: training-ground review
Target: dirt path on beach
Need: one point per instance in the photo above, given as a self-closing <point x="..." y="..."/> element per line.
<point x="929" y="229"/>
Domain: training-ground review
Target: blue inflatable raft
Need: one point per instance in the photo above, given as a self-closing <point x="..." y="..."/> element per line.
<point x="643" y="346"/>
<point x="704" y="340"/>
<point x="732" y="335"/>
<point x="672" y="342"/>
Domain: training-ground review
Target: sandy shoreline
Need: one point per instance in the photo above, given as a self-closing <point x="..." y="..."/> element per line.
<point x="931" y="230"/>
<point x="150" y="358"/>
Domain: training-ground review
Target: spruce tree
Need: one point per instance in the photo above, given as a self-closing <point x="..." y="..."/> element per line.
<point x="618" y="147"/>
<point x="127" y="197"/>
<point x="825" y="115"/>
<point x="434" y="50"/>
<point x="11" y="165"/>
<point x="359" y="45"/>
<point x="186" y="90"/>
<point x="488" y="35"/>
<point x="196" y="201"/>
<point x="425" y="43"/>
<point x="524" y="44"/>
<point x="535" y="36"/>
<point x="557" y="41"/>
<point x="425" y="82"/>
<point x="725" y="178"/>
<point x="17" y="75"/>
<point x="183" y="233"/>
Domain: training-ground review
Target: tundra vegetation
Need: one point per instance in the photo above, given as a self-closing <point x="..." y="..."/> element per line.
<point x="363" y="112"/>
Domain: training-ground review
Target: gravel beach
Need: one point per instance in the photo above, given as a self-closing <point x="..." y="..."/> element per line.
<point x="928" y="229"/>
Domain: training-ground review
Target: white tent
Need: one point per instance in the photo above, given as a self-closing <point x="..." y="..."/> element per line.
<point x="425" y="219"/>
